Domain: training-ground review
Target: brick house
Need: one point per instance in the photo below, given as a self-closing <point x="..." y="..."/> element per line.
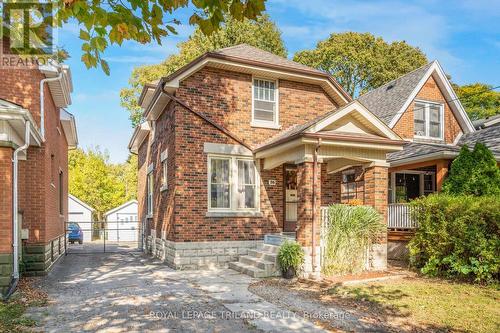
<point x="35" y="135"/>
<point x="240" y="144"/>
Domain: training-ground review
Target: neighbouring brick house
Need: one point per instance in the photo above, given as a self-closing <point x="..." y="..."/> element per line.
<point x="241" y="143"/>
<point x="35" y="121"/>
<point x="424" y="110"/>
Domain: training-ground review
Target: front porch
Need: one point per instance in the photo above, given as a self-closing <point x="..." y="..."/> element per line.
<point x="338" y="159"/>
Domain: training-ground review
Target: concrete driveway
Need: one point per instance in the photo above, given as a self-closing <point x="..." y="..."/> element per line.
<point x="131" y="293"/>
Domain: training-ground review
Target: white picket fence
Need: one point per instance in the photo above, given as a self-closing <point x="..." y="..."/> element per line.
<point x="399" y="217"/>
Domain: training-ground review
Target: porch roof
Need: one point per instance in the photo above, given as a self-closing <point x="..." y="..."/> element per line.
<point x="348" y="136"/>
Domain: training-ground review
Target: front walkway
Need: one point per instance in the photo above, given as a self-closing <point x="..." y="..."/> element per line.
<point x="130" y="293"/>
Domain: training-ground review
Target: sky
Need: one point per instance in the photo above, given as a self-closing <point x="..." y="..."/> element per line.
<point x="463" y="35"/>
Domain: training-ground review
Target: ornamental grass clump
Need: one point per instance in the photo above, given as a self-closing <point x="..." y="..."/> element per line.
<point x="290" y="258"/>
<point x="348" y="236"/>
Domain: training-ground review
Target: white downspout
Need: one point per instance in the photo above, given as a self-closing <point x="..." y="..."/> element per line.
<point x="42" y="107"/>
<point x="15" y="221"/>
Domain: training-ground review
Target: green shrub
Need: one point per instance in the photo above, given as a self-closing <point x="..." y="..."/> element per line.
<point x="290" y="254"/>
<point x="458" y="237"/>
<point x="348" y="236"/>
<point x="473" y="172"/>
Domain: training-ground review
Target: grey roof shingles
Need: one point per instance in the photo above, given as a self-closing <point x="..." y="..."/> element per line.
<point x="490" y="136"/>
<point x="252" y="53"/>
<point x="388" y="99"/>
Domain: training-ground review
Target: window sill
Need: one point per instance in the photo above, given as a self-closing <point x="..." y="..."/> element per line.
<point x="163" y="188"/>
<point x="234" y="214"/>
<point x="149" y="216"/>
<point x="264" y="125"/>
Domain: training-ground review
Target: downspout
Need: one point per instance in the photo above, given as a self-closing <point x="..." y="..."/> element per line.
<point x="42" y="106"/>
<point x="313" y="229"/>
<point x="15" y="220"/>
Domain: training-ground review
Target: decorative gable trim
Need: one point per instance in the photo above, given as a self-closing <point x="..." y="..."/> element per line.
<point x="452" y="99"/>
<point x="354" y="106"/>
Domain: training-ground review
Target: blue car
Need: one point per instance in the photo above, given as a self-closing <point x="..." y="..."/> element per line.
<point x="75" y="233"/>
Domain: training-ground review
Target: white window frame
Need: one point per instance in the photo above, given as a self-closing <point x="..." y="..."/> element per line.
<point x="164" y="170"/>
<point x="427" y="105"/>
<point x="261" y="123"/>
<point x="149" y="194"/>
<point x="233" y="184"/>
<point x="420" y="180"/>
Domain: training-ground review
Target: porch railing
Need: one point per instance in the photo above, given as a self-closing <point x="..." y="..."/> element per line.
<point x="399" y="217"/>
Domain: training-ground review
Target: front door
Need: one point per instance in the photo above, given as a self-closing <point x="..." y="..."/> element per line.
<point x="290" y="223"/>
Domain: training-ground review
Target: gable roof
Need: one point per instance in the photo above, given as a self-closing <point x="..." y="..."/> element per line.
<point x="391" y="100"/>
<point x="75" y="199"/>
<point x="315" y="126"/>
<point x="388" y="99"/>
<point x="128" y="203"/>
<point x="249" y="59"/>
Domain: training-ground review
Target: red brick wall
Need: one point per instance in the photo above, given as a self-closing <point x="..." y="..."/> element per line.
<point x="142" y="165"/>
<point x="191" y="202"/>
<point x="226" y="97"/>
<point x="164" y="201"/>
<point x="38" y="198"/>
<point x="429" y="92"/>
<point x="6" y="200"/>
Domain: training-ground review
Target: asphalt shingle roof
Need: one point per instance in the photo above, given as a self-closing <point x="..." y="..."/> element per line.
<point x="252" y="53"/>
<point x="490" y="136"/>
<point x="388" y="99"/>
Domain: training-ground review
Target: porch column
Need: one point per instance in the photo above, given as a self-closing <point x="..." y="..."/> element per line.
<point x="376" y="182"/>
<point x="441" y="172"/>
<point x="305" y="209"/>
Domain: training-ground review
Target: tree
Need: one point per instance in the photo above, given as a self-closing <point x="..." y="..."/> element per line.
<point x="113" y="21"/>
<point x="473" y="173"/>
<point x="261" y="33"/>
<point x="93" y="179"/>
<point x="360" y="61"/>
<point x="479" y="100"/>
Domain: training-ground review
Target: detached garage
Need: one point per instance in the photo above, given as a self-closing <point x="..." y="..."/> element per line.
<point x="81" y="213"/>
<point x="122" y="223"/>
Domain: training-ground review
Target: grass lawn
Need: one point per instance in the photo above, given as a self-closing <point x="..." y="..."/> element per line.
<point x="428" y="303"/>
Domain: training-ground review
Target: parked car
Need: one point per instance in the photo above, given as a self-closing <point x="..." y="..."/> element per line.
<point x="75" y="233"/>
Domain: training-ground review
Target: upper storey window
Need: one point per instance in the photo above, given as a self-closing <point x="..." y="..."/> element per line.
<point x="265" y="103"/>
<point x="428" y="120"/>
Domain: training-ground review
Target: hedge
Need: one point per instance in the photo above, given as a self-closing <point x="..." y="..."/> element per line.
<point x="458" y="237"/>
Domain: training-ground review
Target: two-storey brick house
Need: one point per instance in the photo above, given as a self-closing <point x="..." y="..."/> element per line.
<point x="241" y="143"/>
<point x="35" y="135"/>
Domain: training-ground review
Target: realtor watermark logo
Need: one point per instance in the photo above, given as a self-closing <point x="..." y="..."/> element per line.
<point x="27" y="31"/>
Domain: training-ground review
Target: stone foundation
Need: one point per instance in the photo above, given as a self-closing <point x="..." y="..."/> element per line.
<point x="5" y="271"/>
<point x="377" y="260"/>
<point x="38" y="259"/>
<point x="198" y="255"/>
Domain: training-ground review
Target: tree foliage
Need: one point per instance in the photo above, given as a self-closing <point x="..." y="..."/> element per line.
<point x="101" y="184"/>
<point x="479" y="100"/>
<point x="114" y="21"/>
<point x="360" y="61"/>
<point x="261" y="33"/>
<point x="473" y="173"/>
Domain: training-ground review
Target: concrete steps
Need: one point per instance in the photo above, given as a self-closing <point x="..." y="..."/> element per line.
<point x="259" y="263"/>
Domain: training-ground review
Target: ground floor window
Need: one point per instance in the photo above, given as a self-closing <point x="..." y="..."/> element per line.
<point x="149" y="197"/>
<point x="232" y="184"/>
<point x="351" y="187"/>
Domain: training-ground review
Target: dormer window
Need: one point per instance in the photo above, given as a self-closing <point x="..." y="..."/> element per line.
<point x="265" y="104"/>
<point x="428" y="120"/>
